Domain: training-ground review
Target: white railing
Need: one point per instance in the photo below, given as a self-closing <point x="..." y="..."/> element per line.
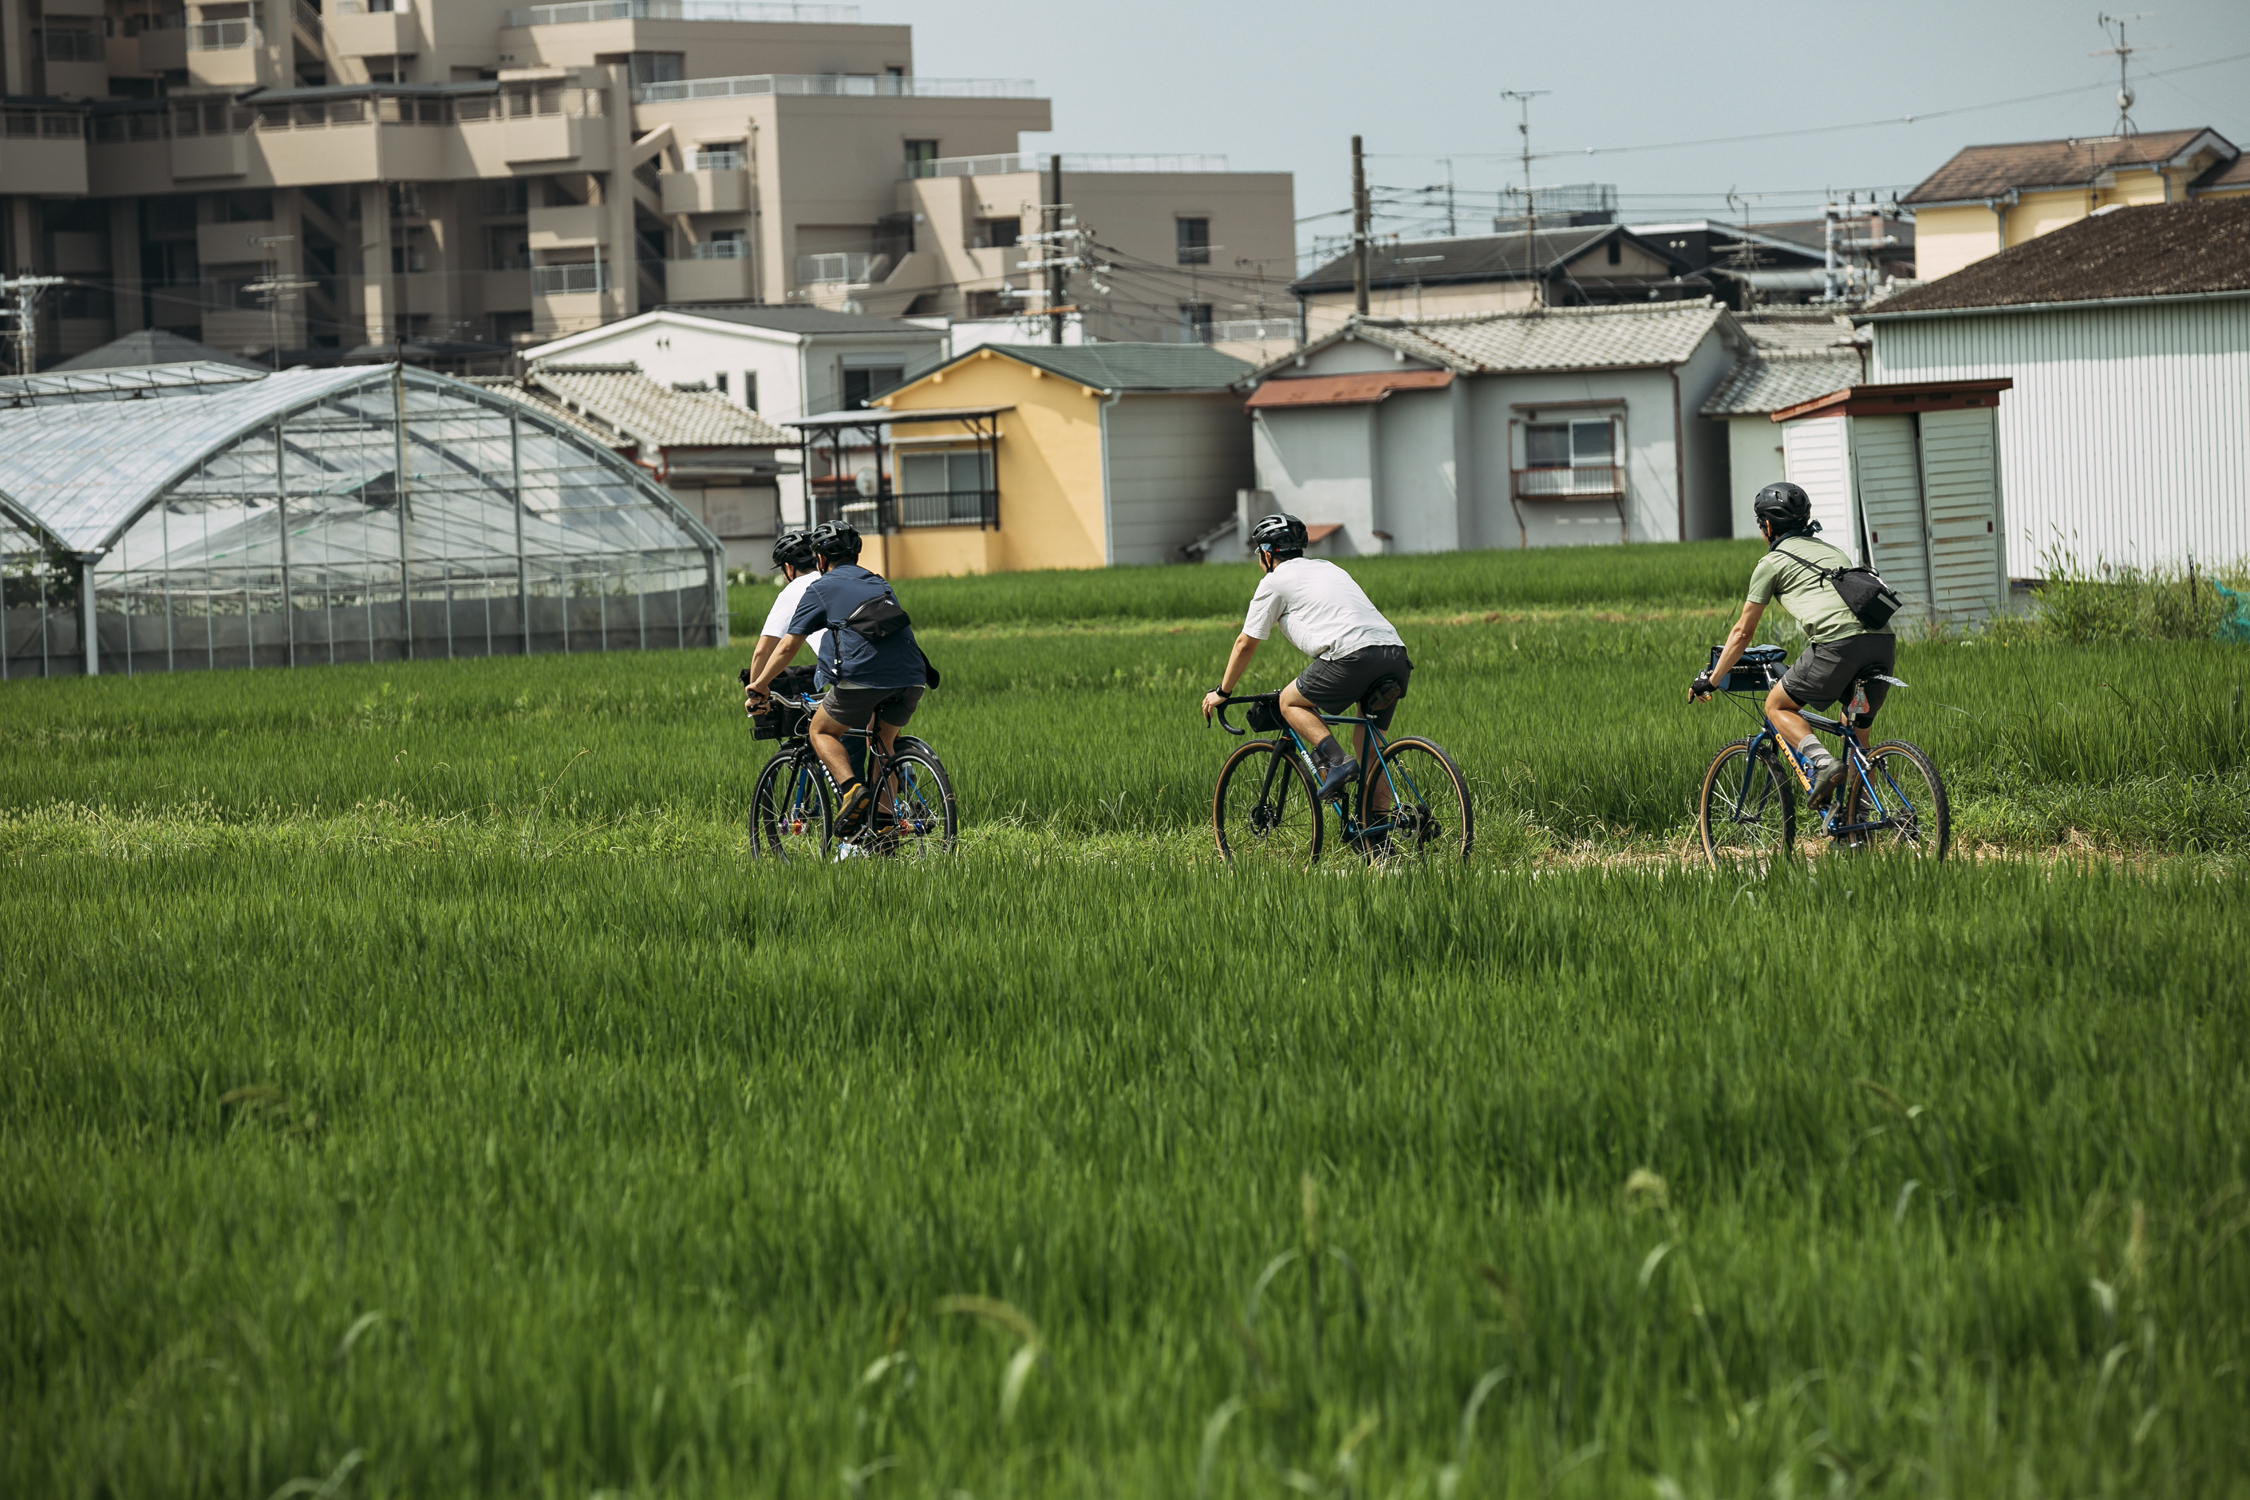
<point x="853" y="268"/>
<point x="221" y="36"/>
<point x="718" y="161"/>
<point x="1585" y="482"/>
<point x="720" y="250"/>
<point x="564" y="281"/>
<point x="837" y="85"/>
<point x="308" y="19"/>
<point x="993" y="166"/>
<point x="683" y="10"/>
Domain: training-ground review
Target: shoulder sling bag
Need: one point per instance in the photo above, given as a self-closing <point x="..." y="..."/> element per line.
<point x="1863" y="591"/>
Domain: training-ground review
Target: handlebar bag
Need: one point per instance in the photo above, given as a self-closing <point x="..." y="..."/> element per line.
<point x="1263" y="715"/>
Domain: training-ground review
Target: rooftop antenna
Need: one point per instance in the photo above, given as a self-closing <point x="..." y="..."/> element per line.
<point x="1523" y="98"/>
<point x="2123" y="54"/>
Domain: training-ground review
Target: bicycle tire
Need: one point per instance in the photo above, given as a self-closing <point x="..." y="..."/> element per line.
<point x="791" y="815"/>
<point x="1439" y="822"/>
<point x="1274" y="814"/>
<point x="1900" y="769"/>
<point x="1746" y="816"/>
<point x="923" y="820"/>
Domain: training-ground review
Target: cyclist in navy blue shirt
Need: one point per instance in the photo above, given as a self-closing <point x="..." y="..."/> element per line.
<point x="869" y="680"/>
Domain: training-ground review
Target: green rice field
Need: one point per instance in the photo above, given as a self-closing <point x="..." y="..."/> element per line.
<point x="413" y="1087"/>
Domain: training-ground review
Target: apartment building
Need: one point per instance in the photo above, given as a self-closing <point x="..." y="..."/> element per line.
<point x="315" y="178"/>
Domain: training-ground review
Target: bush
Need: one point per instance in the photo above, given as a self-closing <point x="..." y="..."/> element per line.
<point x="2116" y="602"/>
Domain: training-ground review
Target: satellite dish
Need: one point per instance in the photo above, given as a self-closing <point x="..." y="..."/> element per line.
<point x="868" y="482"/>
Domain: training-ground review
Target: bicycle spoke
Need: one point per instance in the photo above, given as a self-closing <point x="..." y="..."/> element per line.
<point x="1746" y="815"/>
<point x="1265" y="810"/>
<point x="1428" y="817"/>
<point x="1900" y="804"/>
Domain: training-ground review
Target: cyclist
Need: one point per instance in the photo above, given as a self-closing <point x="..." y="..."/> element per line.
<point x="1327" y="616"/>
<point x="874" y="675"/>
<point x="1840" y="648"/>
<point x="793" y="555"/>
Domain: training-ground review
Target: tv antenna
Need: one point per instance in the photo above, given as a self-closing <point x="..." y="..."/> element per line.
<point x="1523" y="98"/>
<point x="2123" y="53"/>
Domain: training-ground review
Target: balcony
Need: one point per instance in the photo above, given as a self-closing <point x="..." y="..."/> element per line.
<point x="224" y="54"/>
<point x="579" y="278"/>
<point x="576" y="226"/>
<point x="43" y="151"/>
<point x="836" y="86"/>
<point x="683" y="10"/>
<point x="353" y="31"/>
<point x="845" y="268"/>
<point x="1585" y="482"/>
<point x="994" y="166"/>
<point x="708" y="279"/>
<point x="706" y="192"/>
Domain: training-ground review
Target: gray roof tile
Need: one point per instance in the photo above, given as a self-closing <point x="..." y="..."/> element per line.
<point x="1770" y="382"/>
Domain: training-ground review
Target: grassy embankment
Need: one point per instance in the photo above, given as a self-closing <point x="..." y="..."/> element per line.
<point x="410" y="1086"/>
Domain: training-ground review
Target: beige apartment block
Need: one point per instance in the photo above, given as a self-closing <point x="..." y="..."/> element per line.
<point x="280" y="178"/>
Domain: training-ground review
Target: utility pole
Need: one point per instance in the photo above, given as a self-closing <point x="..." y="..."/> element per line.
<point x="1360" y="227"/>
<point x="1523" y="98"/>
<point x="25" y="291"/>
<point x="2122" y="53"/>
<point x="1057" y="276"/>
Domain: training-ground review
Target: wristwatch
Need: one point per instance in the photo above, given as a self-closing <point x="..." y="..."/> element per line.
<point x="1222" y="692"/>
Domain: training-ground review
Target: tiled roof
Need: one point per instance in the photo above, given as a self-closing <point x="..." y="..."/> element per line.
<point x="797" y="318"/>
<point x="1773" y="381"/>
<point x="2156" y="250"/>
<point x="1562" y="338"/>
<point x="618" y="402"/>
<point x="1127" y="367"/>
<point x="1784" y="332"/>
<point x="154" y="346"/>
<point x="2227" y="177"/>
<point x="1989" y="171"/>
<point x="1490" y="257"/>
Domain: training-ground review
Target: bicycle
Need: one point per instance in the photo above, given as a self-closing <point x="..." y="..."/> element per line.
<point x="1267" y="808"/>
<point x="793" y="806"/>
<point x="1892" y="795"/>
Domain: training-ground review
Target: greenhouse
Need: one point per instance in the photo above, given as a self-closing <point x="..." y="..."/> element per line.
<point x="202" y="516"/>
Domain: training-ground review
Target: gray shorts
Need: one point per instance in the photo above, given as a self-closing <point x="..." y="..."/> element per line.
<point x="1825" y="673"/>
<point x="853" y="706"/>
<point x="1335" y="686"/>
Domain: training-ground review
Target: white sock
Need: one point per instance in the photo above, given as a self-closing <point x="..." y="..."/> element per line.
<point x="1813" y="750"/>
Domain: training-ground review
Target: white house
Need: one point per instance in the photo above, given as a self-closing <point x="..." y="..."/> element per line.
<point x="783" y="362"/>
<point x="1558" y="427"/>
<point x="1795" y="356"/>
<point x="2127" y="334"/>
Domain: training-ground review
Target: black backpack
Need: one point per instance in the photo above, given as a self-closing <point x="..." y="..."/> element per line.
<point x="1863" y="591"/>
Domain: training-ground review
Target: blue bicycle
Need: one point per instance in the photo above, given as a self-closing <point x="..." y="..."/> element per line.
<point x="793" y="807"/>
<point x="1892" y="796"/>
<point x="1413" y="805"/>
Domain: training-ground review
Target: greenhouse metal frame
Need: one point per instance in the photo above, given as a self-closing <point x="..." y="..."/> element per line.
<point x="206" y="517"/>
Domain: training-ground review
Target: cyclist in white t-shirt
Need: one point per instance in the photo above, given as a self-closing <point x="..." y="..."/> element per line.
<point x="793" y="554"/>
<point x="1358" y="656"/>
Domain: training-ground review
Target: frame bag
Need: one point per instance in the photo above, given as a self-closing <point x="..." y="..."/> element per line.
<point x="1863" y="591"/>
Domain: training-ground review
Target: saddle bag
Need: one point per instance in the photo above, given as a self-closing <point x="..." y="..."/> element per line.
<point x="1381" y="694"/>
<point x="1863" y="591"/>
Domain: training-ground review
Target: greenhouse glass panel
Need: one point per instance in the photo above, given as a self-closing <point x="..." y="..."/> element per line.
<point x="296" y="519"/>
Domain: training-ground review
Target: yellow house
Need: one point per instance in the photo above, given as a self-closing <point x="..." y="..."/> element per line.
<point x="1047" y="456"/>
<point x="1988" y="198"/>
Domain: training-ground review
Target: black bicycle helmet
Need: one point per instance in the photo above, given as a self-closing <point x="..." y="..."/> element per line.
<point x="1784" y="504"/>
<point x="838" y="541"/>
<point x="1278" y="533"/>
<point x="793" y="548"/>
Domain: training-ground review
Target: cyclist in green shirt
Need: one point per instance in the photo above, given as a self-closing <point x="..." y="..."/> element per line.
<point x="1840" y="650"/>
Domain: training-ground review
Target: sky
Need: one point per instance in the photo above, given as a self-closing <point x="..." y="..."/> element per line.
<point x="1283" y="87"/>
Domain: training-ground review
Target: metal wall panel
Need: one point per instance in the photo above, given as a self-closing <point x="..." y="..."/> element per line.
<point x="1962" y="505"/>
<point x="1890" y="507"/>
<point x="2127" y="436"/>
<point x="1816" y="455"/>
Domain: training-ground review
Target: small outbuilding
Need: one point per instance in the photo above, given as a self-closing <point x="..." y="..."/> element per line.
<point x="1906" y="478"/>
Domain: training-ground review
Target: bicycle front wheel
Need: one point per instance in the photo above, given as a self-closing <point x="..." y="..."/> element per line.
<point x="1908" y="810"/>
<point x="1416" y="806"/>
<point x="916" y="818"/>
<point x="1266" y="810"/>
<point x="790" y="814"/>
<point x="1747" y="814"/>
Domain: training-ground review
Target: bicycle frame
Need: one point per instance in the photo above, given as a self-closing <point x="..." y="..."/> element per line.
<point x="879" y="765"/>
<point x="1393" y="775"/>
<point x="1855" y="764"/>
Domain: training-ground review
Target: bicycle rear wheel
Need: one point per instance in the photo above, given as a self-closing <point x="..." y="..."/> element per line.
<point x="1747" y="813"/>
<point x="1266" y="810"/>
<point x="790" y="813"/>
<point x="1909" y="807"/>
<point x="1429" y="816"/>
<point x="915" y="818"/>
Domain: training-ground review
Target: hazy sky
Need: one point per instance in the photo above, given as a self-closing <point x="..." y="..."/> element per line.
<point x="1283" y="87"/>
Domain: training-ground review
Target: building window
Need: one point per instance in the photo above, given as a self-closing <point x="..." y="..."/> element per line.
<point x="940" y="487"/>
<point x="73" y="45"/>
<point x="507" y="250"/>
<point x="750" y="389"/>
<point x="1616" y="250"/>
<point x="988" y="305"/>
<point x="860" y="386"/>
<point x="1194" y="237"/>
<point x="721" y="379"/>
<point x="1588" y="444"/>
<point x="1195" y="322"/>
<point x="657" y="67"/>
<point x="719" y="156"/>
<point x="997" y="234"/>
<point x="919" y="155"/>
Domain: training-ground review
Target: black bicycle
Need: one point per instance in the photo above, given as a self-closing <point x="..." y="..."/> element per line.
<point x="1892" y="796"/>
<point x="793" y="807"/>
<point x="1413" y="805"/>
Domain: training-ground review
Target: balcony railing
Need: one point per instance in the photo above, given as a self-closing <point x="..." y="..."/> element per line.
<point x="1253" y="330"/>
<point x="718" y="161"/>
<point x="993" y="166"/>
<point x="919" y="510"/>
<point x="222" y="36"/>
<point x="837" y="85"/>
<point x="852" y="268"/>
<point x="683" y="10"/>
<point x="308" y="19"/>
<point x="57" y="45"/>
<point x="40" y="125"/>
<point x="1588" y="482"/>
<point x="720" y="250"/>
<point x="570" y="280"/>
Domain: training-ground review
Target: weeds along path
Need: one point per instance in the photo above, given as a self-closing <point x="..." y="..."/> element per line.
<point x="510" y="1171"/>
